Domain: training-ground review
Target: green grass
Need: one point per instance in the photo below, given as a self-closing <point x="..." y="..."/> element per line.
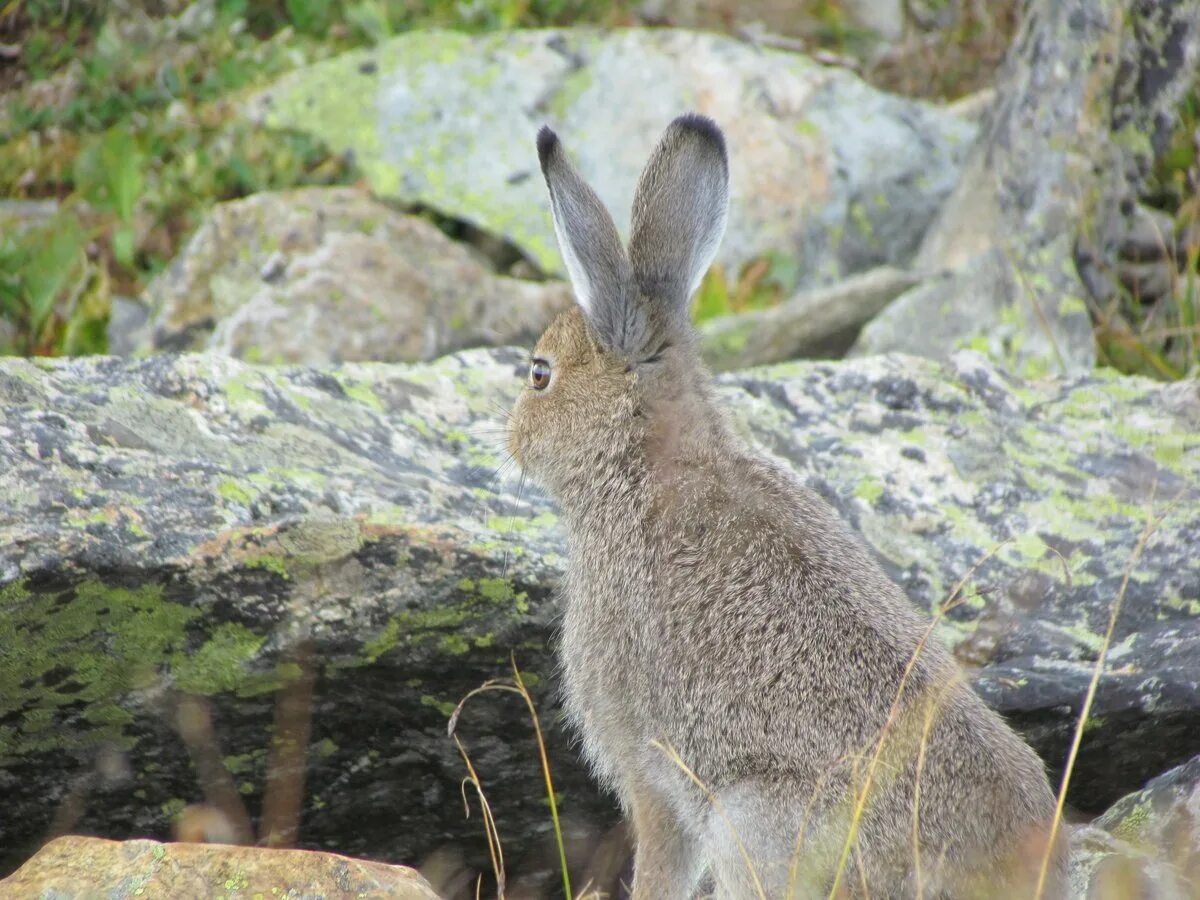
<point x="760" y="283"/>
<point x="136" y="139"/>
<point x="1161" y="339"/>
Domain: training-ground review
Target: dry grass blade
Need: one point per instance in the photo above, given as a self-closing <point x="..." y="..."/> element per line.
<point x="930" y="717"/>
<point x="860" y="803"/>
<point x="193" y="719"/>
<point x="673" y="755"/>
<point x="537" y="727"/>
<point x="1093" y="685"/>
<point x="495" y="849"/>
<point x="515" y="686"/>
<point x="283" y="798"/>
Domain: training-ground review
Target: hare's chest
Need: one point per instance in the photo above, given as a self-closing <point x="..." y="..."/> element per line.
<point x="606" y="666"/>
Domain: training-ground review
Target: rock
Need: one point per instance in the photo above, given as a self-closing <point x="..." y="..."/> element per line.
<point x="82" y="867"/>
<point x="1065" y="147"/>
<point x="322" y="275"/>
<point x="824" y="168"/>
<point x="1146" y="845"/>
<point x="127" y="325"/>
<point x="176" y="527"/>
<point x="884" y="18"/>
<point x="820" y="322"/>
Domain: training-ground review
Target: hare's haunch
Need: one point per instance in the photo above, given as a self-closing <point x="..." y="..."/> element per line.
<point x="769" y="708"/>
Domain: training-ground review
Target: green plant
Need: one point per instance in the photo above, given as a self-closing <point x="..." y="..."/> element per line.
<point x="108" y="173"/>
<point x="370" y="19"/>
<point x="47" y="291"/>
<point x="1160" y="336"/>
<point x="760" y="283"/>
<point x="310" y="16"/>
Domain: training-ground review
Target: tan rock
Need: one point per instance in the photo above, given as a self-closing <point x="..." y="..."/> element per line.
<point x="79" y="867"/>
<point x="332" y="275"/>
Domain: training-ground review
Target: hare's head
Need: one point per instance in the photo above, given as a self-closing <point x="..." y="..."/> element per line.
<point x="619" y="372"/>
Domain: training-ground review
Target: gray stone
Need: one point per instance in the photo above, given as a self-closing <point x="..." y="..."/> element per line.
<point x="178" y="525"/>
<point x="1147" y="844"/>
<point x="1065" y="148"/>
<point x="328" y="275"/>
<point x="825" y="168"/>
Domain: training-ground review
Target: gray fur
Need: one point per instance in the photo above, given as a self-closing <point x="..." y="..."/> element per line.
<point x="716" y="607"/>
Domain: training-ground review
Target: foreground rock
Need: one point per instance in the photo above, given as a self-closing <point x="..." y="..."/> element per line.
<point x="824" y="168"/>
<point x="84" y="867"/>
<point x="330" y="275"/>
<point x="186" y="526"/>
<point x="1087" y="97"/>
<point x="1146" y="845"/>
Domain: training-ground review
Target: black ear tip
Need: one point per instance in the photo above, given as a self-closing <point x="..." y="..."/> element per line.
<point x="547" y="140"/>
<point x="703" y="127"/>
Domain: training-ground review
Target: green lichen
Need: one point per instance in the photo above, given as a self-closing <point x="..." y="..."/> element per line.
<point x="91" y="643"/>
<point x="869" y="489"/>
<point x="723" y="344"/>
<point x="454" y="644"/>
<point x="242" y="763"/>
<point x="268" y="562"/>
<point x="445" y="707"/>
<point x="325" y="748"/>
<point x="419" y="425"/>
<point x="384" y="641"/>
<point x="495" y="589"/>
<point x="360" y="392"/>
<point x="1133" y="823"/>
<point x="220" y="664"/>
<point x="515" y="524"/>
<point x="230" y="490"/>
<point x="244" y="390"/>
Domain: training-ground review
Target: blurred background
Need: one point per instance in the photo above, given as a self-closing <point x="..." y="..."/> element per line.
<point x="124" y="125"/>
<point x="243" y="592"/>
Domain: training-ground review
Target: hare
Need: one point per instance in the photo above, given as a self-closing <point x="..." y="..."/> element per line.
<point x="768" y="707"/>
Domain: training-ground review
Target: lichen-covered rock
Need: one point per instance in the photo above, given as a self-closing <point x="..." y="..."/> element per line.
<point x="79" y="868"/>
<point x="825" y="168"/>
<point x="1086" y="92"/>
<point x="1147" y="844"/>
<point x="332" y="275"/>
<point x="176" y="525"/>
<point x="884" y="18"/>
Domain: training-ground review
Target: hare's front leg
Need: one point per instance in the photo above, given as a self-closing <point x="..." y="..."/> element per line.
<point x="666" y="860"/>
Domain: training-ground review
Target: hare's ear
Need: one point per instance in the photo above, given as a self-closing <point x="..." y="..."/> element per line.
<point x="679" y="212"/>
<point x="591" y="248"/>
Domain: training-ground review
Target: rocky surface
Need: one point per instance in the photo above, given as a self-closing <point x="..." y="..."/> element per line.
<point x="325" y="275"/>
<point x="76" y="868"/>
<point x="179" y="525"/>
<point x="1083" y="102"/>
<point x="1146" y="845"/>
<point x="883" y="18"/>
<point x="826" y="169"/>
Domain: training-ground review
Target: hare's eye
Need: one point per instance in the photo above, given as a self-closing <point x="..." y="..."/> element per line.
<point x="539" y="374"/>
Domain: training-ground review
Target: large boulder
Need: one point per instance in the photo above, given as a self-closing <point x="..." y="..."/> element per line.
<point x="825" y="169"/>
<point x="77" y="868"/>
<point x="324" y="275"/>
<point x="1085" y="102"/>
<point x="182" y="527"/>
